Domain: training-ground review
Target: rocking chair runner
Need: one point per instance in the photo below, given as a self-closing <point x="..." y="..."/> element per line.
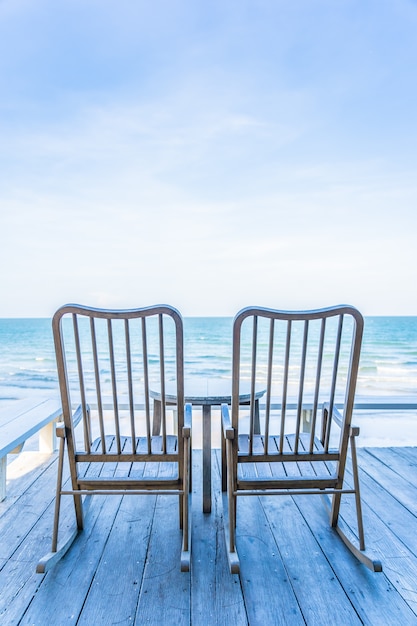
<point x="308" y="362"/>
<point x="106" y="362"/>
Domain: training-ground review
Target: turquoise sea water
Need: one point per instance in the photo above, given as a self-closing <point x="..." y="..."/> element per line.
<point x="388" y="361"/>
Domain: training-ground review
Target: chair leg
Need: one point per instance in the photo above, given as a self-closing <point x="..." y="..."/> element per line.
<point x="185" y="508"/>
<point x="348" y="539"/>
<point x="334" y="510"/>
<point x="334" y="515"/>
<point x="229" y="515"/>
<point x="232" y="522"/>
<point x="357" y="493"/>
<point x="224" y="463"/>
<point x="49" y="560"/>
<point x="58" y="495"/>
<point x="181" y="510"/>
<point x="186" y="537"/>
<point x="157" y="413"/>
<point x="343" y="531"/>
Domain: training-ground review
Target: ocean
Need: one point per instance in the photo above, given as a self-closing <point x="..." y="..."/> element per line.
<point x="388" y="359"/>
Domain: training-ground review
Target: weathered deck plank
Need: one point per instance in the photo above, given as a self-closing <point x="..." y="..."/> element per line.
<point x="112" y="596"/>
<point x="216" y="595"/>
<point x="305" y="564"/>
<point x="268" y="595"/>
<point x="165" y="591"/>
<point x="407" y="452"/>
<point x="124" y="568"/>
<point x="60" y="601"/>
<point x="398" y="461"/>
<point x="396" y="541"/>
<point x="373" y="596"/>
<point x="397" y="485"/>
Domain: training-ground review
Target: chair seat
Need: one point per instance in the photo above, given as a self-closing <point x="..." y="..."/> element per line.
<point x="126" y="452"/>
<point x="286" y="469"/>
<point x="127" y="467"/>
<point x="289" y="448"/>
<point x="141" y="444"/>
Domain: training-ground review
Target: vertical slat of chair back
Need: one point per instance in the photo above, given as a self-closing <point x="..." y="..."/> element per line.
<point x="114" y="387"/>
<point x="253" y="381"/>
<point x="317" y="384"/>
<point x="133" y="347"/>
<point x="146" y="384"/>
<point x="162" y="381"/>
<point x="285" y="386"/>
<point x="301" y="387"/>
<point x="86" y="422"/>
<point x="130" y="387"/>
<point x="98" y="385"/>
<point x="334" y="382"/>
<point x="300" y="359"/>
<point x="269" y="383"/>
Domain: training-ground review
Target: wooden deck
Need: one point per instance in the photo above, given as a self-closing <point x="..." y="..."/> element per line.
<point x="124" y="567"/>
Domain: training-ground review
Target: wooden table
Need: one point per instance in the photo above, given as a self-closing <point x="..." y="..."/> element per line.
<point x="205" y="393"/>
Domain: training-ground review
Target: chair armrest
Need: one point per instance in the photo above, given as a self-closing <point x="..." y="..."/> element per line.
<point x="186" y="429"/>
<point x="228" y="430"/>
<point x="77" y="415"/>
<point x="338" y="418"/>
<point x="76" y="419"/>
<point x="60" y="430"/>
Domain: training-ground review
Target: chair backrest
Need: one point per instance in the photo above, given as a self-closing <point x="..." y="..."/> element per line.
<point x="303" y="360"/>
<point x="108" y="361"/>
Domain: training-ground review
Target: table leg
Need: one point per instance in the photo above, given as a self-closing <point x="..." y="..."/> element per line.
<point x="257" y="425"/>
<point x="157" y="415"/>
<point x="206" y="458"/>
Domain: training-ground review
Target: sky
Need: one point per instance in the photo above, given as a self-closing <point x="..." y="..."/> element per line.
<point x="209" y="155"/>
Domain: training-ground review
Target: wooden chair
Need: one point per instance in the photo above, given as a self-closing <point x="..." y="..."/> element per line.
<point x="106" y="362"/>
<point x="308" y="362"/>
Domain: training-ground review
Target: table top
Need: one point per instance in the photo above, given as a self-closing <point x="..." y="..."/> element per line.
<point x="210" y="391"/>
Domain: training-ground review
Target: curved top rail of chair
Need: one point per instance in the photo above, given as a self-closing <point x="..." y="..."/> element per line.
<point x="294" y="315"/>
<point x="163" y="309"/>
